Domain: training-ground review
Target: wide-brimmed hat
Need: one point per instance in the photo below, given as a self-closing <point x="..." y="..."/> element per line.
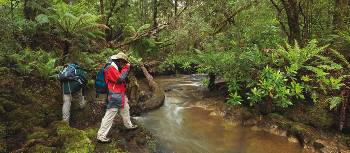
<point x="120" y="55"/>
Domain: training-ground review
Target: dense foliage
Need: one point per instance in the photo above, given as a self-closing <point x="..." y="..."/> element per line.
<point x="275" y="53"/>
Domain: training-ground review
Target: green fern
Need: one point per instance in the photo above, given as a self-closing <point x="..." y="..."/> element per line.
<point x="48" y="68"/>
<point x="297" y="56"/>
<point x="28" y="61"/>
<point x="342" y="59"/>
<point x="334" y="102"/>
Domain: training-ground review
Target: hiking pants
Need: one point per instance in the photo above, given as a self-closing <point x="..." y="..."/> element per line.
<point x="107" y="120"/>
<point x="67" y="101"/>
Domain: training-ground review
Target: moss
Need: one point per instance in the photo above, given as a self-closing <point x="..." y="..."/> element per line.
<point x="110" y="148"/>
<point x="2" y="138"/>
<point x="344" y="139"/>
<point x="4" y="70"/>
<point x="275" y="116"/>
<point x="283" y="122"/>
<point x="25" y="117"/>
<point x="74" y="140"/>
<point x="81" y="116"/>
<point x="91" y="83"/>
<point x="8" y="105"/>
<point x="152" y="143"/>
<point x="297" y="128"/>
<point x="91" y="133"/>
<point x="39" y="133"/>
<point x="320" y="117"/>
<point x="2" y="109"/>
<point x="316" y="115"/>
<point x="40" y="149"/>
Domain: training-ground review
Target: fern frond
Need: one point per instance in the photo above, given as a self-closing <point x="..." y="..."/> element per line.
<point x="342" y="59"/>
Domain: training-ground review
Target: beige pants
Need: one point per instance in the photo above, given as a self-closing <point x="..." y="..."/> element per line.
<point x="107" y="120"/>
<point x="67" y="102"/>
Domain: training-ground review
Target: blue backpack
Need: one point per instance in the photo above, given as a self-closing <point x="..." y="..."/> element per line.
<point x="73" y="72"/>
<point x="69" y="72"/>
<point x="100" y="84"/>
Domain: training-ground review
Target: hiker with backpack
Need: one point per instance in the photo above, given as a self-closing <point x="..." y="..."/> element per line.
<point x="101" y="88"/>
<point x="73" y="80"/>
<point x="114" y="75"/>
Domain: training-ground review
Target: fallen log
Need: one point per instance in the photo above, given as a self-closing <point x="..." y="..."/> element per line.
<point x="158" y="94"/>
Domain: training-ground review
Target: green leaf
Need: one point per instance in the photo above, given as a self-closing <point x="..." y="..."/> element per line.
<point x="42" y="19"/>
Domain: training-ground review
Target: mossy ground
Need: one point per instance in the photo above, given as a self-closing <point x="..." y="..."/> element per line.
<point x="30" y="112"/>
<point x="3" y="146"/>
<point x="317" y="115"/>
<point x="74" y="140"/>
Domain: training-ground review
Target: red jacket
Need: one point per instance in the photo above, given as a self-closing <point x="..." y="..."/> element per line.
<point x="115" y="80"/>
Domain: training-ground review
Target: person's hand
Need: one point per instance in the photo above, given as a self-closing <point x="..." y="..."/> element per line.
<point x="115" y="65"/>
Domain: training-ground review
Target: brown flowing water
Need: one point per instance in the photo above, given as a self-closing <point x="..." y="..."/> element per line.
<point x="183" y="125"/>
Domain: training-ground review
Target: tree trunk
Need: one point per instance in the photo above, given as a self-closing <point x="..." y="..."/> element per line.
<point x="143" y="11"/>
<point x="102" y="10"/>
<point x="268" y="106"/>
<point x="212" y="78"/>
<point x="175" y="7"/>
<point x="66" y="47"/>
<point x="109" y="31"/>
<point x="344" y="105"/>
<point x="12" y="18"/>
<point x="307" y="15"/>
<point x="155" y="12"/>
<point x="341" y="13"/>
<point x="27" y="11"/>
<point x="292" y="11"/>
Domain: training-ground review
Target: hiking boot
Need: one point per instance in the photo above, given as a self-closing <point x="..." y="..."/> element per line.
<point x="133" y="127"/>
<point x="104" y="141"/>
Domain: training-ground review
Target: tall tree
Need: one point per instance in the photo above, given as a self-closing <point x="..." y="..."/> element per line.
<point x="175" y="7"/>
<point x="292" y="11"/>
<point x="102" y="9"/>
<point x="341" y="14"/>
<point x="27" y="10"/>
<point x="155" y="13"/>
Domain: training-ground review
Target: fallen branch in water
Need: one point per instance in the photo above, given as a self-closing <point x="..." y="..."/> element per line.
<point x="151" y="83"/>
<point x="158" y="96"/>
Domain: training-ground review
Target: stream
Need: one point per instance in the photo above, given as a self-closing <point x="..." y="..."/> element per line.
<point x="184" y="125"/>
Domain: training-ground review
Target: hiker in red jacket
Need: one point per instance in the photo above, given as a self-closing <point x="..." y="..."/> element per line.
<point x="115" y="75"/>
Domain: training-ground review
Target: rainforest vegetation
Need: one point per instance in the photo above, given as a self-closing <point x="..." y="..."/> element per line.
<point x="287" y="57"/>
